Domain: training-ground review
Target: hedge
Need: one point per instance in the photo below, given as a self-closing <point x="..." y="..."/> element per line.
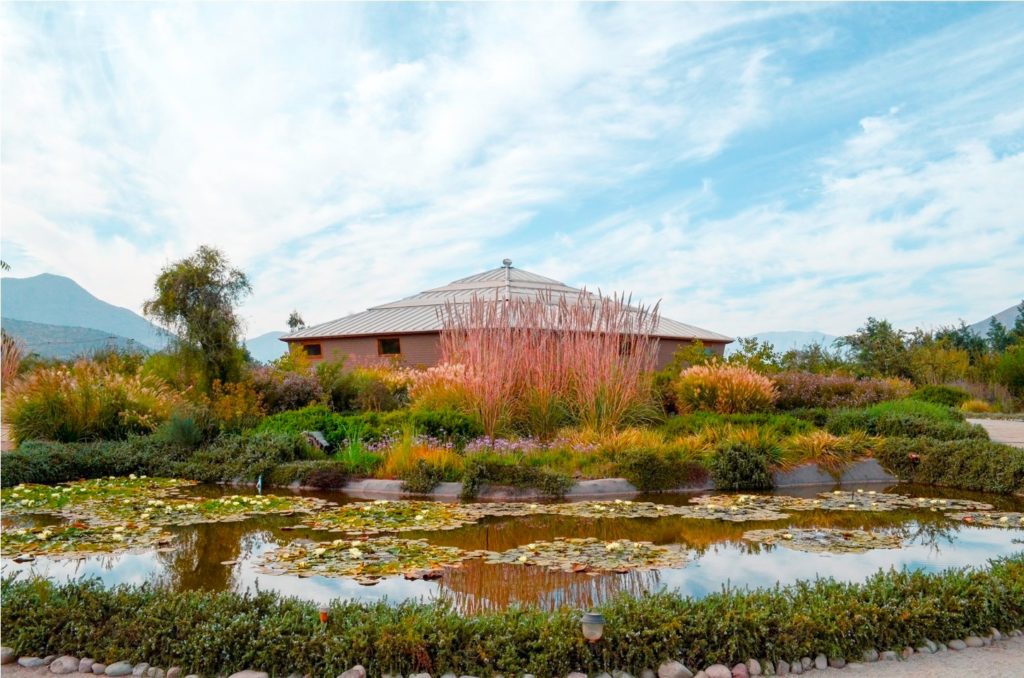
<point x="962" y="464"/>
<point x="217" y="633"/>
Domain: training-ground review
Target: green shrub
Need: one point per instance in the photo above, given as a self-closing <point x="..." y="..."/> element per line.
<point x="744" y="465"/>
<point x="908" y="418"/>
<point x="447" y="424"/>
<point x="217" y="633"/>
<point x="950" y="396"/>
<point x="422" y="478"/>
<point x="482" y="470"/>
<point x="325" y="474"/>
<point x="696" y="422"/>
<point x="962" y="464"/>
<point x="654" y="471"/>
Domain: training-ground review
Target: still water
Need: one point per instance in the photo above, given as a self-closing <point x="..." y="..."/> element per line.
<point x="220" y="556"/>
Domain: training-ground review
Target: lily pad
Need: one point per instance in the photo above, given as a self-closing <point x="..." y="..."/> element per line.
<point x="826" y="540"/>
<point x="617" y="508"/>
<point x="588" y="555"/>
<point x="79" y="540"/>
<point x="870" y="500"/>
<point x="382" y="515"/>
<point x="1008" y="519"/>
<point x="56" y="498"/>
<point x="367" y="560"/>
<point x="196" y="510"/>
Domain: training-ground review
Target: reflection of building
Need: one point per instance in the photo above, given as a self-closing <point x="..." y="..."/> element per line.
<point x="409" y="329"/>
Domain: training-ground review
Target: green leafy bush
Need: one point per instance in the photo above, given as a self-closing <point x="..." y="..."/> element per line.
<point x="963" y="464"/>
<point x="950" y="396"/>
<point x="422" y="478"/>
<point x="482" y="470"/>
<point x="909" y="418"/>
<point x="697" y="422"/>
<point x="320" y="473"/>
<point x="658" y="471"/>
<point x="217" y="633"/>
<point x="744" y="465"/>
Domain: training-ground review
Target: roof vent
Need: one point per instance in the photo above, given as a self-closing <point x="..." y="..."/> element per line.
<point x="507" y="263"/>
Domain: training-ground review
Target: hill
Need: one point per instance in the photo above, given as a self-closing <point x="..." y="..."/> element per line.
<point x="267" y="347"/>
<point x="61" y="341"/>
<point x="1007" y="317"/>
<point x="788" y="339"/>
<point x="59" y="301"/>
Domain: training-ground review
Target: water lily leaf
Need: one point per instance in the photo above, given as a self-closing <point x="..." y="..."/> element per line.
<point x="1007" y="519"/>
<point x="373" y="558"/>
<point x="588" y="555"/>
<point x="825" y="540"/>
<point x="70" y="541"/>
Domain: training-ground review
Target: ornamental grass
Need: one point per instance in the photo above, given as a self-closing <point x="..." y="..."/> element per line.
<point x="726" y="389"/>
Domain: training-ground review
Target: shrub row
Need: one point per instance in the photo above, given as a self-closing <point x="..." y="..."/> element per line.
<point x="962" y="464"/>
<point x="908" y="417"/>
<point x="219" y="633"/>
<point x="804" y="389"/>
<point x="446" y="425"/>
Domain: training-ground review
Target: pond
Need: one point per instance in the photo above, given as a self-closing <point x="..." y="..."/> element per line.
<point x="489" y="556"/>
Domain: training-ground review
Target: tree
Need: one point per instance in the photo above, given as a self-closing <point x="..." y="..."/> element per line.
<point x="1010" y="370"/>
<point x="998" y="337"/>
<point x="295" y="321"/>
<point x="938" y="362"/>
<point x="877" y="349"/>
<point x="815" y="358"/>
<point x="759" y="356"/>
<point x="196" y="298"/>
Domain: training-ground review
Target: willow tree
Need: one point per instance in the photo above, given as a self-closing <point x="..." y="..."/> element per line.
<point x="197" y="299"/>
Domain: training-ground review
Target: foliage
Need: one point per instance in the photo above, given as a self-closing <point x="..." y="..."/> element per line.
<point x="85" y="402"/>
<point x="745" y="464"/>
<point x="877" y="349"/>
<point x="283" y="390"/>
<point x="196" y="299"/>
<point x="975" y="406"/>
<point x="908" y="417"/>
<point x="962" y="464"/>
<point x="935" y="362"/>
<point x="534" y="364"/>
<point x="950" y="396"/>
<point x="651" y="470"/>
<point x="295" y="321"/>
<point x="11" y="353"/>
<point x="236" y="407"/>
<point x="227" y="631"/>
<point x="805" y="389"/>
<point x="759" y="356"/>
<point x="815" y="358"/>
<point x="483" y="470"/>
<point x="725" y="389"/>
<point x="700" y="422"/>
<point x="1010" y="370"/>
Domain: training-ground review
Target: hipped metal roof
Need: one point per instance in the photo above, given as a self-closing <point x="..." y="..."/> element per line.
<point x="423" y="312"/>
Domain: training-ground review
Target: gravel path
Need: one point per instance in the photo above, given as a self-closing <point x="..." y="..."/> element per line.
<point x="1009" y="431"/>
<point x="1001" y="659"/>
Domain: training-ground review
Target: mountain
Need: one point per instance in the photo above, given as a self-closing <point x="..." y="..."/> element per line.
<point x="61" y="341"/>
<point x="267" y="347"/>
<point x="788" y="339"/>
<point x="55" y="300"/>
<point x="1007" y="317"/>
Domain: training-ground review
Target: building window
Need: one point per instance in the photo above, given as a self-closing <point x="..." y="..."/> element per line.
<point x="312" y="350"/>
<point x="389" y="346"/>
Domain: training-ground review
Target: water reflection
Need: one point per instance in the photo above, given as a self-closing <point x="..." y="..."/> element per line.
<point x="220" y="556"/>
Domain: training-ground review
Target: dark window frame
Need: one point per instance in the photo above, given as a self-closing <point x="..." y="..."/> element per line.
<point x="313" y="350"/>
<point x="380" y="345"/>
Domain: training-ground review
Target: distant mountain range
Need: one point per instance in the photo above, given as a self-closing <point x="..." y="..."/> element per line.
<point x="1007" y="317"/>
<point x="267" y="347"/>
<point x="58" y="301"/>
<point x="63" y="341"/>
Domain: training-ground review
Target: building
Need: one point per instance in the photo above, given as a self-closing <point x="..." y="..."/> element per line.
<point x="409" y="329"/>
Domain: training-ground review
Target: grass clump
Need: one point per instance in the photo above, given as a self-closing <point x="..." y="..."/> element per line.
<point x="726" y="389"/>
<point x="949" y="396"/>
<point x="962" y="464"/>
<point x="218" y="633"/>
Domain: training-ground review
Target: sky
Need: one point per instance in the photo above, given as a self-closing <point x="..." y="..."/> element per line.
<point x="752" y="167"/>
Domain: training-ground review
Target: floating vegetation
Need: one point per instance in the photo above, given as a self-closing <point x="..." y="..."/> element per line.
<point x="79" y="540"/>
<point x="382" y="515"/>
<point x="826" y="540"/>
<point x="738" y="509"/>
<point x="837" y="500"/>
<point x="617" y="508"/>
<point x="1008" y="519"/>
<point x="588" y="555"/>
<point x="366" y="560"/>
<point x="199" y="509"/>
<point x="56" y="498"/>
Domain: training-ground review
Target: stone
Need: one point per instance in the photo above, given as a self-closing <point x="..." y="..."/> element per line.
<point x="420" y="675"/>
<point x="615" y="674"/>
<point x="907" y="652"/>
<point x="65" y="664"/>
<point x="974" y="641"/>
<point x="871" y="655"/>
<point x="7" y="655"/>
<point x="356" y="671"/>
<point x="140" y="669"/>
<point x="31" y="662"/>
<point x="931" y="646"/>
<point x="150" y="671"/>
<point x="783" y="668"/>
<point x="888" y="656"/>
<point x="249" y="673"/>
<point x="740" y="671"/>
<point x="48" y="659"/>
<point x="119" y="669"/>
<point x="192" y="675"/>
<point x="821" y="662"/>
<point x="647" y="673"/>
<point x="674" y="669"/>
<point x="701" y="674"/>
<point x="174" y="672"/>
<point x="99" y="668"/>
<point x="85" y="664"/>
<point x="158" y="673"/>
<point x="718" y="671"/>
<point x="576" y="674"/>
<point x="924" y="649"/>
<point x="796" y="668"/>
<point x="940" y="647"/>
<point x="957" y="644"/>
<point x="806" y="662"/>
<point x="996" y="635"/>
<point x="754" y="667"/>
<point x="837" y="662"/>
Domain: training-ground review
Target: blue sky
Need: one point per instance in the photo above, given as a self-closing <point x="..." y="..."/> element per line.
<point x="753" y="167"/>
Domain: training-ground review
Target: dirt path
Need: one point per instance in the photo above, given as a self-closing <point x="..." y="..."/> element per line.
<point x="1002" y="659"/>
<point x="1009" y="431"/>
